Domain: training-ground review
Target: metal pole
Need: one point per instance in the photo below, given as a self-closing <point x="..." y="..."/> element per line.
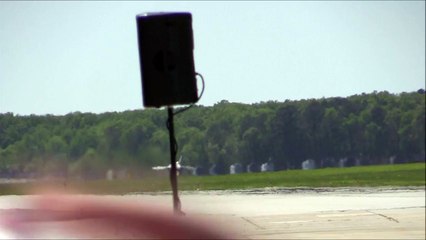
<point x="173" y="170"/>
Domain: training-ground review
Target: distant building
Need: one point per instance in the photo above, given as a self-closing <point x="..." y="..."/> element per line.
<point x="110" y="175"/>
<point x="392" y="159"/>
<point x="252" y="167"/>
<point x="308" y="164"/>
<point x="267" y="167"/>
<point x="235" y="168"/>
<point x="349" y="162"/>
<point x="218" y="169"/>
<point x="342" y="162"/>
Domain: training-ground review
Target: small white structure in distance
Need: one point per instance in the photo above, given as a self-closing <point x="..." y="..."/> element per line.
<point x="267" y="167"/>
<point x="342" y="162"/>
<point x="235" y="168"/>
<point x="110" y="175"/>
<point x="308" y="164"/>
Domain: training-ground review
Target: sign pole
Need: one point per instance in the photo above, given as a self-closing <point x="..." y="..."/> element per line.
<point x="173" y="169"/>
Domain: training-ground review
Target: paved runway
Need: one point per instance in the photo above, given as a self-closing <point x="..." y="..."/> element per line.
<point x="300" y="213"/>
<point x="351" y="213"/>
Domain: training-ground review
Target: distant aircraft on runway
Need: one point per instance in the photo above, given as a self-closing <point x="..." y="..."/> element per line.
<point x="180" y="168"/>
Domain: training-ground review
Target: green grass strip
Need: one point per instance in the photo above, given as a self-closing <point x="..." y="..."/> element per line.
<point x="411" y="174"/>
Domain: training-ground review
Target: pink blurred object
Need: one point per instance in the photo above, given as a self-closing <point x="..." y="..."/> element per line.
<point x="65" y="216"/>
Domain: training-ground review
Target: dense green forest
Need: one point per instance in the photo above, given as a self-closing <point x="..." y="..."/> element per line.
<point x="369" y="128"/>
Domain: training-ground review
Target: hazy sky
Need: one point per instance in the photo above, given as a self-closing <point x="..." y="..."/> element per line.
<point x="61" y="57"/>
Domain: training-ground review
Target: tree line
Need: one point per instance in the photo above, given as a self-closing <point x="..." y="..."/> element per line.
<point x="368" y="127"/>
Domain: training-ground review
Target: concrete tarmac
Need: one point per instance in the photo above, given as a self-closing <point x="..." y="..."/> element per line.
<point x="298" y="213"/>
<point x="321" y="213"/>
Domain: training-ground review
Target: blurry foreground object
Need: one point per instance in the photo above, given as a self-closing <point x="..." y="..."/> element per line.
<point x="79" y="216"/>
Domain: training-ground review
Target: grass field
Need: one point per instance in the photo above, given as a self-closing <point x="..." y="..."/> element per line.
<point x="412" y="174"/>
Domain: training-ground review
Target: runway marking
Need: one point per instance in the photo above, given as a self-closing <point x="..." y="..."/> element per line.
<point x="387" y="217"/>
<point x="345" y="214"/>
<point x="297" y="221"/>
<point x="252" y="223"/>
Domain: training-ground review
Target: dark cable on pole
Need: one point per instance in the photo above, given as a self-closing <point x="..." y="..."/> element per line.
<point x="173" y="152"/>
<point x="173" y="170"/>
